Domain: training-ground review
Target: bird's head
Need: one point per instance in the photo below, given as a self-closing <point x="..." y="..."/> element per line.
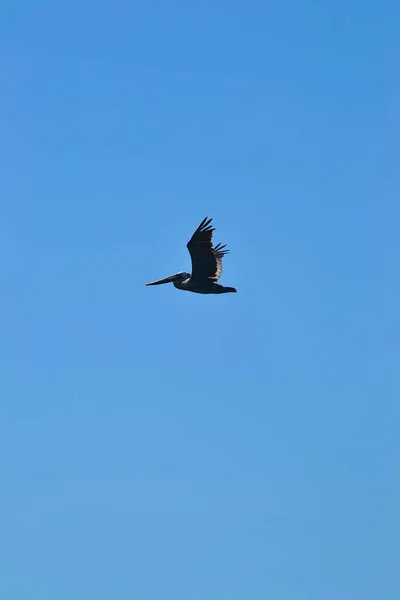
<point x="177" y="278"/>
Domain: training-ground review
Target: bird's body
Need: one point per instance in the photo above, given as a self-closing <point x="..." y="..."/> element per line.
<point x="207" y="286"/>
<point x="206" y="264"/>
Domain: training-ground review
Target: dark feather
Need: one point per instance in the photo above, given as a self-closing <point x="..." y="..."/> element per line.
<point x="206" y="260"/>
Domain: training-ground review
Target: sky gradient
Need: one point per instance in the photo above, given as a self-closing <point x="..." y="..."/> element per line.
<point x="161" y="445"/>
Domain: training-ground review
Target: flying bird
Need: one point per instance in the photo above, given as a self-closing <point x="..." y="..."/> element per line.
<point x="206" y="264"/>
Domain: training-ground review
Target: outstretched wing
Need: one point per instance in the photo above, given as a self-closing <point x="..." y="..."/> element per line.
<point x="206" y="260"/>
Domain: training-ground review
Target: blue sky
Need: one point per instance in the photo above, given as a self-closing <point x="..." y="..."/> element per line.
<point x="161" y="445"/>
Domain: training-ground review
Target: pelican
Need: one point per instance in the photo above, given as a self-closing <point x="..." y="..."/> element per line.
<point x="206" y="264"/>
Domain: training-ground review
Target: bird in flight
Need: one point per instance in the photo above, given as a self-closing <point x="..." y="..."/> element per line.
<point x="206" y="264"/>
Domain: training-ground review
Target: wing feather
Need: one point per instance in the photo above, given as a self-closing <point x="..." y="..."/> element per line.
<point x="206" y="260"/>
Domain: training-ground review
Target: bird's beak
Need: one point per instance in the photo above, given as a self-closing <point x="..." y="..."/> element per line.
<point x="169" y="279"/>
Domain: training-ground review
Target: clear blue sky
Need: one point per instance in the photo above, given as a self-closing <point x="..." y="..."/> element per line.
<point x="161" y="445"/>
